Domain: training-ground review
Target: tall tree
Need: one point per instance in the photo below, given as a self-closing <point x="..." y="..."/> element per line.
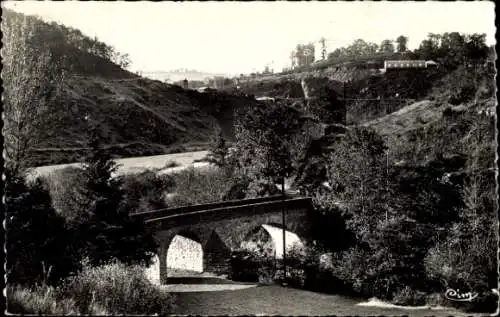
<point x="32" y="78"/>
<point x="218" y="150"/>
<point x="305" y="54"/>
<point x="103" y="230"/>
<point x="322" y="41"/>
<point x="387" y="46"/>
<point x="264" y="141"/>
<point x="36" y="239"/>
<point x="402" y="43"/>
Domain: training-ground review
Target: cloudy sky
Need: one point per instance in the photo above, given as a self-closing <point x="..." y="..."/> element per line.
<point x="243" y="37"/>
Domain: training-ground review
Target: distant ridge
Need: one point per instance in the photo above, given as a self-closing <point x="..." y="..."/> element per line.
<point x="180" y="74"/>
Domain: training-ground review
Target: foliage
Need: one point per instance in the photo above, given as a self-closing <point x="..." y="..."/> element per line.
<point x="36" y="240"/>
<point x="103" y="229"/>
<point x="218" y="150"/>
<point x="118" y="288"/>
<point x="303" y="55"/>
<point x="465" y="258"/>
<point x="42" y="300"/>
<point x="106" y="290"/>
<point x="402" y="43"/>
<point x="63" y="185"/>
<point x="32" y="78"/>
<point x="387" y="46"/>
<point x="203" y="186"/>
<point x="244" y="266"/>
<point x="386" y="246"/>
<point x="145" y="191"/>
<point x="357" y="172"/>
<point x="261" y="188"/>
<point x="264" y="142"/>
<point x="454" y="48"/>
<point x="358" y="48"/>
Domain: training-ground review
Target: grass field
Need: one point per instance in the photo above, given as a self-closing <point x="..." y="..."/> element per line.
<point x="278" y="300"/>
<point x="139" y="164"/>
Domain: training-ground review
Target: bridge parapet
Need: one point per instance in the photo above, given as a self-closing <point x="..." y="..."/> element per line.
<point x="221" y="213"/>
<point x="204" y="207"/>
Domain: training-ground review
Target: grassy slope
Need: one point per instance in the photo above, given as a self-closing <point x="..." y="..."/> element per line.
<point x="139" y="116"/>
<point x="432" y="127"/>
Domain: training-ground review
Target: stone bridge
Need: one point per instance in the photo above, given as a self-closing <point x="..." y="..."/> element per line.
<point x="221" y="227"/>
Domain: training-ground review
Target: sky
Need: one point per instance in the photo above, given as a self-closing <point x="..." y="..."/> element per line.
<point x="242" y="37"/>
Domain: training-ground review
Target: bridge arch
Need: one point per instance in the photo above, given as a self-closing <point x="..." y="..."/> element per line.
<point x="267" y="239"/>
<point x="185" y="253"/>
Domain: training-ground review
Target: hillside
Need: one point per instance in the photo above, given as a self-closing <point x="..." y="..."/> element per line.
<point x="176" y="75"/>
<point x="138" y="116"/>
<point x="440" y="123"/>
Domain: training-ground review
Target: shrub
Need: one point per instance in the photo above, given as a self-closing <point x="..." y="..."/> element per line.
<point x="465" y="93"/>
<point x="261" y="188"/>
<point x="409" y="297"/>
<point x="145" y="191"/>
<point x="103" y="230"/>
<point x="243" y="266"/>
<point x="198" y="187"/>
<point x="42" y="300"/>
<point x="62" y="185"/>
<point x="237" y="188"/>
<point x="118" y="288"/>
<point x="171" y="164"/>
<point x="36" y="240"/>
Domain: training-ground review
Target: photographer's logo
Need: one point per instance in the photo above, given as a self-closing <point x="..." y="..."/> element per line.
<point x="456" y="295"/>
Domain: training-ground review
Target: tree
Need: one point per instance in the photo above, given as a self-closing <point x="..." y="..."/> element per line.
<point x="32" y="79"/>
<point x="305" y="54"/>
<point x="476" y="48"/>
<point x="358" y="48"/>
<point x="293" y="59"/>
<point x="387" y="46"/>
<point x="402" y="43"/>
<point x="218" y="150"/>
<point x="103" y="231"/>
<point x="263" y="142"/>
<point x="322" y="41"/>
<point x="382" y="256"/>
<point x="357" y="174"/>
<point x="466" y="258"/>
<point x="36" y="239"/>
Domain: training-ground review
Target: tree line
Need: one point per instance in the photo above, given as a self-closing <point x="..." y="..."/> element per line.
<point x="450" y="47"/>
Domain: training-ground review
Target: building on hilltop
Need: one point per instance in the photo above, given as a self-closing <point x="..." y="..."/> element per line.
<point x="408" y="64"/>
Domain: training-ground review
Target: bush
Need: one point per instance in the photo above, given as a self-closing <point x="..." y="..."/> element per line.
<point x="62" y="185"/>
<point x="244" y="266"/>
<point x="261" y="188"/>
<point x="199" y="187"/>
<point x="42" y="300"/>
<point x="171" y="164"/>
<point x="103" y="230"/>
<point x="145" y="191"/>
<point x="465" y="93"/>
<point x="118" y="288"/>
<point x="36" y="240"/>
<point x="409" y="297"/>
